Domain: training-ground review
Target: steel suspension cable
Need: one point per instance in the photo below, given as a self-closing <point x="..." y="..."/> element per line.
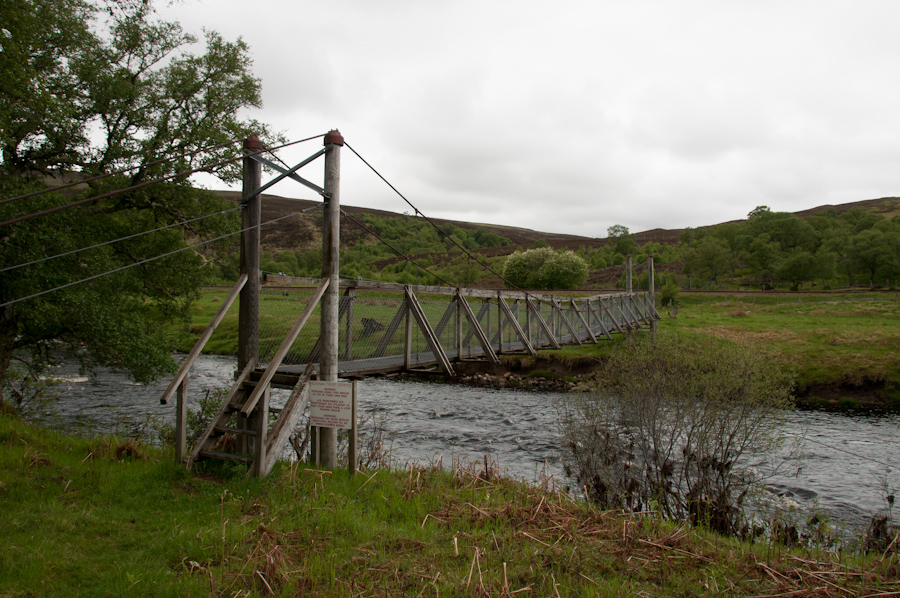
<point x="147" y="232"/>
<point x="117" y="172"/>
<point x="427" y="219"/>
<point x="394" y="249"/>
<point x="148" y="183"/>
<point x="95" y="276"/>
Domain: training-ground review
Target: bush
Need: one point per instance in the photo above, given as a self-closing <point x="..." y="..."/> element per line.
<point x="544" y="268"/>
<point x="669" y="294"/>
<point x="671" y="426"/>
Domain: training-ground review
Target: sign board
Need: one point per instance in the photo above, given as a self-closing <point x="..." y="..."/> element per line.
<point x="330" y="404"/>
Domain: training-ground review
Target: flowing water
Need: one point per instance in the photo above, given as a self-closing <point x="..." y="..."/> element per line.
<point x="846" y="466"/>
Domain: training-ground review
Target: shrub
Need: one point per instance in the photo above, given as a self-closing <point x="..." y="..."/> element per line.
<point x="544" y="268"/>
<point x="671" y="426"/>
<point x="669" y="294"/>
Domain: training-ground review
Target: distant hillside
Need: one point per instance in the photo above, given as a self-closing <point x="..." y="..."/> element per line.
<point x="302" y="233"/>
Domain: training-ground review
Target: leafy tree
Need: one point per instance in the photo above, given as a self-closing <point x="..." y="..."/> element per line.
<point x="763" y="254"/>
<point x="617" y="230"/>
<point x="544" y="268"/>
<point x="710" y="260"/>
<point x="87" y="89"/>
<point x="869" y="252"/>
<point x="759" y="211"/>
<point x="624" y="241"/>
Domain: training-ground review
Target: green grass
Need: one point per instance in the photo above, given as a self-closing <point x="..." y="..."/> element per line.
<point x="830" y="339"/>
<point x="844" y="341"/>
<point x="105" y="517"/>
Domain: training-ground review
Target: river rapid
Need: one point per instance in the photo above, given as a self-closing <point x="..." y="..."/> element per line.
<point x="845" y="466"/>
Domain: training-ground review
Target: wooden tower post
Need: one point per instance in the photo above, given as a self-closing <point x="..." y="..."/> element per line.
<point x="628" y="286"/>
<point x="248" y="308"/>
<point x="652" y="296"/>
<point x="331" y="243"/>
<point x="248" y="313"/>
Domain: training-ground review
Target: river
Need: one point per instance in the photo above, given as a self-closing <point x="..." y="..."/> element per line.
<point x="845" y="466"/>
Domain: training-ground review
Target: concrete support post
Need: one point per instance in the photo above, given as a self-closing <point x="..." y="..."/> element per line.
<point x="331" y="243"/>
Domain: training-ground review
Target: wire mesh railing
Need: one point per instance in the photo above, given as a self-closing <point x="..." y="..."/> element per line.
<point x="376" y="331"/>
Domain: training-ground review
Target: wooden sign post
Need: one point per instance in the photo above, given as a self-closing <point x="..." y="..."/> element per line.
<point x="332" y="405"/>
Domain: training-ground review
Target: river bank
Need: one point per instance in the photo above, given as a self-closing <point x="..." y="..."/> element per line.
<point x="108" y="516"/>
<point x="842" y="467"/>
<point x="554" y="371"/>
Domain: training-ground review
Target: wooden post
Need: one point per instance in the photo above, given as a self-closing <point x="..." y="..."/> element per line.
<point x="248" y="310"/>
<point x="331" y="243"/>
<point x="487" y="328"/>
<point x="248" y="306"/>
<point x="628" y="287"/>
<point x="528" y="326"/>
<point x="181" y="421"/>
<point x="351" y="449"/>
<point x="652" y="297"/>
<point x="458" y="328"/>
<point x="259" y="423"/>
<point x="407" y="338"/>
<point x="499" y="325"/>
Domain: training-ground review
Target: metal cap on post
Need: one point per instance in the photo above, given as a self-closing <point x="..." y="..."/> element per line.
<point x="331" y="242"/>
<point x="334" y="137"/>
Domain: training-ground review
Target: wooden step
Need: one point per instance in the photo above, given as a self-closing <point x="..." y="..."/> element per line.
<point x="226" y="456"/>
<point x="245" y="432"/>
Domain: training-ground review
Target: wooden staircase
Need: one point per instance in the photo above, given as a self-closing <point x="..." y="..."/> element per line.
<point x="240" y="430"/>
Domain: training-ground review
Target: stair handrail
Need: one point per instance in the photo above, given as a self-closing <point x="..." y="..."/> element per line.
<point x="204" y="338"/>
<point x="263" y="383"/>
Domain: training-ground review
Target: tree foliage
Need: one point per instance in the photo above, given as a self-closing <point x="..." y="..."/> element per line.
<point x="88" y="89"/>
<point x="544" y="268"/>
<point x="829" y="248"/>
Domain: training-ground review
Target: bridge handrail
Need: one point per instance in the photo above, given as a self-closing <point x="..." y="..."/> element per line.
<point x="436" y="290"/>
<point x="204" y="338"/>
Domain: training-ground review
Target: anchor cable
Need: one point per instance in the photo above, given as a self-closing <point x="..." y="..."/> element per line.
<point x="95" y="276"/>
<point x="429" y="221"/>
<point x="147" y="232"/>
<point x="185" y="173"/>
<point x="394" y="249"/>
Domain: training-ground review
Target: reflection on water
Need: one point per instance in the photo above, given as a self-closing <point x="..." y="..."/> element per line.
<point x="845" y="465"/>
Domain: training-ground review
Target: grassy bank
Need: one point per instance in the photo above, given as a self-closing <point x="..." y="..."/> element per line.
<point x="837" y="345"/>
<point x="104" y="517"/>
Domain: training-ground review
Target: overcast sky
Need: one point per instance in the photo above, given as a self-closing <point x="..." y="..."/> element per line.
<point x="573" y="116"/>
